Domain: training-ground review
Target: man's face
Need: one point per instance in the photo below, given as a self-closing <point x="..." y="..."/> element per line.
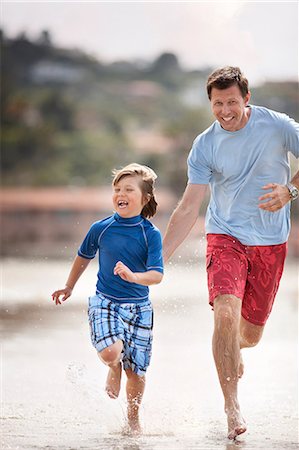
<point x="229" y="107"/>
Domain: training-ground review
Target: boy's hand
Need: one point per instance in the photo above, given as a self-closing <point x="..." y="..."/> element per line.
<point x="124" y="272"/>
<point x="66" y="293"/>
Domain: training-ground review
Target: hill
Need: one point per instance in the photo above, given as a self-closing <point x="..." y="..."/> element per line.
<point x="68" y="119"/>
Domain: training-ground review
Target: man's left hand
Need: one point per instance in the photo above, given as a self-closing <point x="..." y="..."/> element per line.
<point x="276" y="199"/>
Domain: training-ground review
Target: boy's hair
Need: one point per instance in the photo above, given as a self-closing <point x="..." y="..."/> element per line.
<point x="226" y="77"/>
<point x="147" y="180"/>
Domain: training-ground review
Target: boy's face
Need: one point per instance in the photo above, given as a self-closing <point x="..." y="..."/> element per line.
<point x="229" y="107"/>
<point x="127" y="197"/>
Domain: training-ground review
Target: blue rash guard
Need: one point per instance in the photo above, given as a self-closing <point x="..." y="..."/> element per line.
<point x="237" y="165"/>
<point x="136" y="242"/>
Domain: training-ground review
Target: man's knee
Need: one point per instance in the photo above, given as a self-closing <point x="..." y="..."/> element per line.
<point x="250" y="334"/>
<point x="227" y="310"/>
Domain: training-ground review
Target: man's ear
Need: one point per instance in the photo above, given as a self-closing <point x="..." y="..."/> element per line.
<point x="247" y="98"/>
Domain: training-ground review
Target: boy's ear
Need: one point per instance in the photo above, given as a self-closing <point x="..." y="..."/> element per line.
<point x="147" y="198"/>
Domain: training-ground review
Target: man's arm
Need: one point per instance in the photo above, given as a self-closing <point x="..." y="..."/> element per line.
<point x="183" y="218"/>
<point x="279" y="196"/>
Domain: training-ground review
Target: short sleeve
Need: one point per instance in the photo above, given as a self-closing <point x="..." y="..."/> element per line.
<point x="154" y="258"/>
<point x="291" y="135"/>
<point x="199" y="170"/>
<point x="89" y="246"/>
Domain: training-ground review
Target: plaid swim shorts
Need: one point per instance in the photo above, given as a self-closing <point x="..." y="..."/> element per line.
<point x="130" y="322"/>
<point x="251" y="273"/>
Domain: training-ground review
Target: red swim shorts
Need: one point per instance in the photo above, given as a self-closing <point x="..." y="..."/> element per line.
<point x="251" y="273"/>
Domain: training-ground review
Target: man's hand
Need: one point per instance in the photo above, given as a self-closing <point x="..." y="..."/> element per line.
<point x="276" y="199"/>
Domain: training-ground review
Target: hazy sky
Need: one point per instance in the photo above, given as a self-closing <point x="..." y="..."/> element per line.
<point x="260" y="37"/>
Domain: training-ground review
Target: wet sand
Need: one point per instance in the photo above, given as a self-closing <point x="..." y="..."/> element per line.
<point x="53" y="383"/>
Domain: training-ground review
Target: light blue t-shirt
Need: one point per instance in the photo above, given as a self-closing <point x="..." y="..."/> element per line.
<point x="236" y="165"/>
<point x="136" y="242"/>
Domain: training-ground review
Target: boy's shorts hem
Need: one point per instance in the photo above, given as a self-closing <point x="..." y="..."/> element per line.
<point x="107" y="343"/>
<point x="139" y="371"/>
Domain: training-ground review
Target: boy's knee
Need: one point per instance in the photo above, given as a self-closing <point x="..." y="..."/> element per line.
<point x="112" y="353"/>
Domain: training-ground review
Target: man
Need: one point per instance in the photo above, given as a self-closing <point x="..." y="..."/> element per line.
<point x="243" y="157"/>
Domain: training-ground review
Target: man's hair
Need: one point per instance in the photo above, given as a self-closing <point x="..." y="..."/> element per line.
<point x="226" y="77"/>
<point x="147" y="179"/>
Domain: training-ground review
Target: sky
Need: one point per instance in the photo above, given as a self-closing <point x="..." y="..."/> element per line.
<point x="259" y="37"/>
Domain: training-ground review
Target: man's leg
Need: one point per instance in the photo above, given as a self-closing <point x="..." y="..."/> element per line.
<point x="111" y="357"/>
<point x="226" y="351"/>
<point x="135" y="390"/>
<point x="250" y="335"/>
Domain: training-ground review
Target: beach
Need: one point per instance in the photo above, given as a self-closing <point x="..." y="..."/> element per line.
<point x="53" y="383"/>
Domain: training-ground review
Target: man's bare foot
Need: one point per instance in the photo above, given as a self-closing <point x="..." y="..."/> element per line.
<point x="236" y="424"/>
<point x="241" y="366"/>
<point x="113" y="381"/>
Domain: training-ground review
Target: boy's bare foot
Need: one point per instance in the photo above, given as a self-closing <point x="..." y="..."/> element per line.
<point x="113" y="381"/>
<point x="132" y="430"/>
<point x="134" y="427"/>
<point x="241" y="366"/>
<point x="236" y="424"/>
<point x="133" y="418"/>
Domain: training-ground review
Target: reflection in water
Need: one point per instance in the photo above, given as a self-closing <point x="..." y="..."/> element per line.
<point x="235" y="445"/>
<point x="54" y="382"/>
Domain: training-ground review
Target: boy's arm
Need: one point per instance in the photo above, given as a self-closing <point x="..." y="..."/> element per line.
<point x="78" y="267"/>
<point x="144" y="278"/>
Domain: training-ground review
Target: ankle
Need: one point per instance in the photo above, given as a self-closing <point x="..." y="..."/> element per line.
<point x="231" y="406"/>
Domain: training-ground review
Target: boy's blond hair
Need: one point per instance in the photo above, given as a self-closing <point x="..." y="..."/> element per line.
<point x="147" y="179"/>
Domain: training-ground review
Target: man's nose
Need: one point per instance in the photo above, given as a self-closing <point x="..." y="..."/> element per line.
<point x="225" y="109"/>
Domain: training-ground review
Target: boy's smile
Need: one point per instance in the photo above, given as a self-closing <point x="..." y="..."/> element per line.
<point x="122" y="204"/>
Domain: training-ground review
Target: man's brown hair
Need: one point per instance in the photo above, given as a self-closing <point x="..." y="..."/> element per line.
<point x="226" y="77"/>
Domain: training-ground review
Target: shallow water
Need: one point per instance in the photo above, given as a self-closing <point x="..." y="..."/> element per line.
<point x="53" y="383"/>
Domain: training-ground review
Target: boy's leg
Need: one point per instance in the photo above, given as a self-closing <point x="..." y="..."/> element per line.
<point x="135" y="389"/>
<point x="111" y="357"/>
